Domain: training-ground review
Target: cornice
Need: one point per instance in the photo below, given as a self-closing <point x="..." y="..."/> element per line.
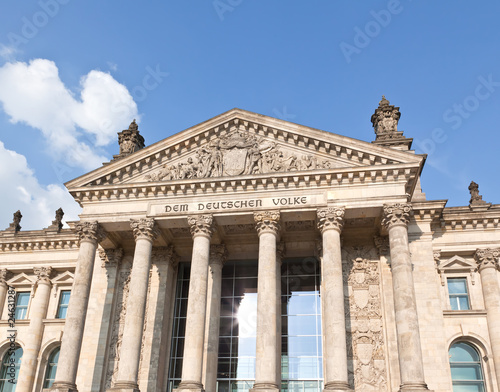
<point x="38" y="240"/>
<point x="272" y="181"/>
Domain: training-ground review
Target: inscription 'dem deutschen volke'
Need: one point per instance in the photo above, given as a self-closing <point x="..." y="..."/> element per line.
<point x="237" y="204"/>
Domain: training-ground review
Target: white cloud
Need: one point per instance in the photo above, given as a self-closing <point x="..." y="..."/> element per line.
<point x="7" y="52"/>
<point x="34" y="94"/>
<point x="22" y="191"/>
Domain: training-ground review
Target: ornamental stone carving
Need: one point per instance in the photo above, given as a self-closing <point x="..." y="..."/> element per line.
<point x="201" y="225"/>
<point x="144" y="228"/>
<point x="16" y="220"/>
<point x="164" y="254"/>
<point x="42" y="274"/>
<point x="4" y="276"/>
<point x="487" y="258"/>
<point x="476" y="200"/>
<point x="280" y="251"/>
<point x="90" y="231"/>
<point x="238" y="153"/>
<point x="110" y="257"/>
<point x="331" y="218"/>
<point x="385" y="121"/>
<point x="382" y="245"/>
<point x="129" y="140"/>
<point x="267" y="221"/>
<point x="396" y="214"/>
<point x="218" y="254"/>
<point x="57" y="224"/>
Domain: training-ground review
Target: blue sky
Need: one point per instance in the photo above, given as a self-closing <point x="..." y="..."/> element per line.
<point x="72" y="74"/>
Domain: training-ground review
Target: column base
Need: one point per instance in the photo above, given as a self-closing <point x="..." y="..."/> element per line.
<point x="60" y="386"/>
<point x="337" y="386"/>
<point x="190" y="386"/>
<point x="124" y="386"/>
<point x="264" y="387"/>
<point x="414" y="387"/>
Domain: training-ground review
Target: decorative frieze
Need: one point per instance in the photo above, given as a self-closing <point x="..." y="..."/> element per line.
<point x="331" y="218"/>
<point x="267" y="221"/>
<point x="144" y="228"/>
<point x="487" y="258"/>
<point x="201" y="225"/>
<point x="396" y="214"/>
<point x="90" y="231"/>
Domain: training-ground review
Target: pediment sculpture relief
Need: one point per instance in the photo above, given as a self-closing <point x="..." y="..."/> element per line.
<point x="238" y="153"/>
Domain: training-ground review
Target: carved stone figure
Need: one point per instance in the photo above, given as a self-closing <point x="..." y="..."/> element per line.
<point x="385" y="120"/>
<point x="476" y="200"/>
<point x="237" y="153"/>
<point x="15" y="225"/>
<point x="129" y="140"/>
<point x="57" y="222"/>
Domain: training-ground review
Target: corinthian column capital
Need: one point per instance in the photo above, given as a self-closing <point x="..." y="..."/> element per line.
<point x="218" y="254"/>
<point x="164" y="254"/>
<point x="4" y="276"/>
<point x="110" y="257"/>
<point x="42" y="274"/>
<point x="396" y="214"/>
<point x="201" y="225"/>
<point x="267" y="221"/>
<point x="331" y="218"/>
<point x="486" y="258"/>
<point x="90" y="231"/>
<point x="144" y="228"/>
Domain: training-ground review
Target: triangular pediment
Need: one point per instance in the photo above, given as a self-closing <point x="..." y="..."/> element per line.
<point x="240" y="144"/>
<point x="63" y="278"/>
<point x="457" y="263"/>
<point x="20" y="280"/>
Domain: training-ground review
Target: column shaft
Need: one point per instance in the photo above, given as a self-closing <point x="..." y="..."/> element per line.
<point x="217" y="258"/>
<point x="3" y="289"/>
<point x="487" y="260"/>
<point x="330" y="222"/>
<point x="192" y="365"/>
<point x="267" y="310"/>
<point x="144" y="232"/>
<point x="34" y="337"/>
<point x="405" y="306"/>
<point x="90" y="233"/>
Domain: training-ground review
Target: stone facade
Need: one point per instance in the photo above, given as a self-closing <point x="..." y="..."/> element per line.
<point x="242" y="186"/>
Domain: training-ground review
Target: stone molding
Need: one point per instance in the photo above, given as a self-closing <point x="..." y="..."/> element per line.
<point x="144" y="229"/>
<point x="331" y="218"/>
<point x="90" y="231"/>
<point x="110" y="257"/>
<point x="164" y="253"/>
<point x="267" y="222"/>
<point x="487" y="258"/>
<point x="396" y="215"/>
<point x="42" y="274"/>
<point x="201" y="225"/>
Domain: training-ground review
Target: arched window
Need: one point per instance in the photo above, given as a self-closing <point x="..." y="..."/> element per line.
<point x="466" y="371"/>
<point x="9" y="373"/>
<point x="50" y="374"/>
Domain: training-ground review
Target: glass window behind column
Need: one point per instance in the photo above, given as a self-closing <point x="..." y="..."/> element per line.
<point x="457" y="290"/>
<point x="22" y="302"/>
<point x="11" y="363"/>
<point x="63" y="304"/>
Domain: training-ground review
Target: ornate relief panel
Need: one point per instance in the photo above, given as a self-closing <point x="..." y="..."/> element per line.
<point x="365" y="338"/>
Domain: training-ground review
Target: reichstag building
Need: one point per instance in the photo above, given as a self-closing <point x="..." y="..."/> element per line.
<point x="249" y="253"/>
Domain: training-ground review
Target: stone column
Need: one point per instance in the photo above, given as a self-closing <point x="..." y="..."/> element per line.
<point x="4" y="287"/>
<point x="33" y="340"/>
<point x="280" y="253"/>
<point x="202" y="227"/>
<point x="330" y="223"/>
<point x="267" y="224"/>
<point x="90" y="234"/>
<point x="218" y="255"/>
<point x="395" y="219"/>
<point x="487" y="260"/>
<point x="145" y="232"/>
